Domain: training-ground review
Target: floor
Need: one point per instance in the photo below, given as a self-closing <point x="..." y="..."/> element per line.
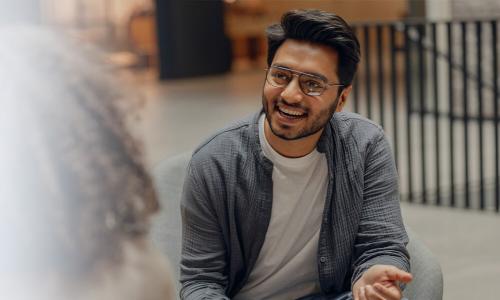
<point x="180" y="114"/>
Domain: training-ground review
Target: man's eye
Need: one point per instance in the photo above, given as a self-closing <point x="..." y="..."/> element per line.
<point x="313" y="85"/>
<point x="281" y="76"/>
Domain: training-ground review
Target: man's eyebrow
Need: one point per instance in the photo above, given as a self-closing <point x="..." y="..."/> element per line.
<point x="313" y="74"/>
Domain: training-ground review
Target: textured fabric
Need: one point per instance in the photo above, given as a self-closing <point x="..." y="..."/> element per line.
<point x="227" y="201"/>
<point x="286" y="265"/>
<point x="343" y="296"/>
<point x="427" y="280"/>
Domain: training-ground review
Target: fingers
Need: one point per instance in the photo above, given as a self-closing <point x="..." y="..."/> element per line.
<point x="355" y="294"/>
<point x="359" y="293"/>
<point x="391" y="293"/>
<point x="362" y="293"/>
<point x="377" y="292"/>
<point x="367" y="292"/>
<point x="396" y="274"/>
<point x="372" y="294"/>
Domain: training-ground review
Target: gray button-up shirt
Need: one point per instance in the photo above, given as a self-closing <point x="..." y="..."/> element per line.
<point x="227" y="201"/>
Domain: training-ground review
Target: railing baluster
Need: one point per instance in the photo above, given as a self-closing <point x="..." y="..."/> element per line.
<point x="408" y="78"/>
<point x="368" y="85"/>
<point x="450" y="45"/>
<point x="394" y="95"/>
<point x="480" y="104"/>
<point x="380" y="73"/>
<point x="465" y="111"/>
<point x="422" y="89"/>
<point x="436" y="109"/>
<point x="494" y="50"/>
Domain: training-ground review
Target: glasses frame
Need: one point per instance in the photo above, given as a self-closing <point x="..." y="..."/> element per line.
<point x="298" y="74"/>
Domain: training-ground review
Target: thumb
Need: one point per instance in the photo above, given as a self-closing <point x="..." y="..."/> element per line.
<point x="395" y="274"/>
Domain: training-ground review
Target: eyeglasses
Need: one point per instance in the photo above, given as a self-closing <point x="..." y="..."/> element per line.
<point x="310" y="84"/>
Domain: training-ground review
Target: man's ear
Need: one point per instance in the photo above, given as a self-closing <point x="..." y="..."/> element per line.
<point x="343" y="98"/>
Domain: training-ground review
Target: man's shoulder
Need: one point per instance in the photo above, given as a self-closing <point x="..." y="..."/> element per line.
<point x="356" y="126"/>
<point x="229" y="141"/>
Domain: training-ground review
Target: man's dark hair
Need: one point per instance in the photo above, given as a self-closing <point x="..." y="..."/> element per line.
<point x="319" y="27"/>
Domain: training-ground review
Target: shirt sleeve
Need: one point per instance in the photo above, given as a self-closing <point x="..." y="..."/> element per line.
<point x="381" y="237"/>
<point x="203" y="263"/>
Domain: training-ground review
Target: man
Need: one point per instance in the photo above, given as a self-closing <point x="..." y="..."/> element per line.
<point x="296" y="201"/>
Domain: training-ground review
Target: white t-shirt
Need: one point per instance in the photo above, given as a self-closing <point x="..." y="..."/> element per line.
<point x="286" y="267"/>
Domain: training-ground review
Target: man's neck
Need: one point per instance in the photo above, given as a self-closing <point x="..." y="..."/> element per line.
<point x="291" y="148"/>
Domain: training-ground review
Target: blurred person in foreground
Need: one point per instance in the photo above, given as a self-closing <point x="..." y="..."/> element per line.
<point x="76" y="197"/>
<point x="300" y="200"/>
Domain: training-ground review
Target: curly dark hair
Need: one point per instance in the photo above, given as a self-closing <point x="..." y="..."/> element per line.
<point x="319" y="27"/>
<point x="71" y="170"/>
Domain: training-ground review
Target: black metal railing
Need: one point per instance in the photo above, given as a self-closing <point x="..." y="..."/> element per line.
<point x="434" y="87"/>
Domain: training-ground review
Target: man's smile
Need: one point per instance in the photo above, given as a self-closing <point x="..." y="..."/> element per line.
<point x="290" y="113"/>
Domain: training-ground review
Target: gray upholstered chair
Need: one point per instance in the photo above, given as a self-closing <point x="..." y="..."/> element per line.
<point x="166" y="233"/>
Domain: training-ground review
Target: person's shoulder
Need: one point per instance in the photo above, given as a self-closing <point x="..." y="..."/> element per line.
<point x="227" y="142"/>
<point x="356" y="131"/>
<point x="354" y="120"/>
<point x="352" y="124"/>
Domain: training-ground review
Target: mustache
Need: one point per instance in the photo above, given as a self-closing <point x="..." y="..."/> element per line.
<point x="280" y="101"/>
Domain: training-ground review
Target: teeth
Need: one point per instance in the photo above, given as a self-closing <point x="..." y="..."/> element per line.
<point x="291" y="112"/>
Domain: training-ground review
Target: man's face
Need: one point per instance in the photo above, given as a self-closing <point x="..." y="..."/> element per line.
<point x="291" y="114"/>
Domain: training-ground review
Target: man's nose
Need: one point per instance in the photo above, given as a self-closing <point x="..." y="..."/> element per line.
<point x="292" y="92"/>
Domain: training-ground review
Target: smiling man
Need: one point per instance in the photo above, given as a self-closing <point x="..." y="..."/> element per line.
<point x="301" y="200"/>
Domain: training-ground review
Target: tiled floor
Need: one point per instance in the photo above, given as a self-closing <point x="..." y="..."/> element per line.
<point x="178" y="115"/>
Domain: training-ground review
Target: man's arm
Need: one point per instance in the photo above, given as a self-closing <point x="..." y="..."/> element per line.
<point x="381" y="238"/>
<point x="203" y="261"/>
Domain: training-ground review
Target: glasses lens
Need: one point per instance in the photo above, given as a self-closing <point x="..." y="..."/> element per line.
<point x="279" y="77"/>
<point x="311" y="86"/>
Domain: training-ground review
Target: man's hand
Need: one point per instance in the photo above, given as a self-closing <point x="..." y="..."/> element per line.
<point x="380" y="282"/>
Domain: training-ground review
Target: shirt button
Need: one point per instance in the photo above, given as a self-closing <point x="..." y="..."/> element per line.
<point x="322" y="259"/>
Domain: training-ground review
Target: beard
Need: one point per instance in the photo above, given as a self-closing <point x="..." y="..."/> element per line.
<point x="312" y="123"/>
